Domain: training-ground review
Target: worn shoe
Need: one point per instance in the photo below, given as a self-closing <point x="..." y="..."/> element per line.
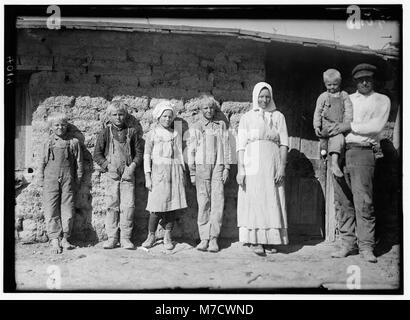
<point x="150" y="240"/>
<point x="213" y="245"/>
<point x="270" y="249"/>
<point x="344" y="252"/>
<point x="203" y="245"/>
<point x="111" y="243"/>
<point x="168" y="241"/>
<point x="259" y="250"/>
<point x="127" y="244"/>
<point x="369" y="256"/>
<point x="55" y="246"/>
<point x="66" y="245"/>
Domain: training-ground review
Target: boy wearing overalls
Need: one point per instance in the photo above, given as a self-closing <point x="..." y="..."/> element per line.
<point x="332" y="106"/>
<point x="60" y="173"/>
<point x="118" y="151"/>
<point x="208" y="160"/>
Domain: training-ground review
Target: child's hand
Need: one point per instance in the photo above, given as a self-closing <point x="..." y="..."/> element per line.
<point x="317" y="132"/>
<point x="225" y="175"/>
<point x="148" y="182"/>
<point x="193" y="180"/>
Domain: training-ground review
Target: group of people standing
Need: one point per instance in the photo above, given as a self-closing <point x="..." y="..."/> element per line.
<point x="348" y="124"/>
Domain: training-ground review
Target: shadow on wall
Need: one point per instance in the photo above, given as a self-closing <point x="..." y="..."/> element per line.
<point x="219" y="115"/>
<point x="387" y="195"/>
<point x="229" y="230"/>
<point x="305" y="199"/>
<point x="305" y="205"/>
<point x="83" y="231"/>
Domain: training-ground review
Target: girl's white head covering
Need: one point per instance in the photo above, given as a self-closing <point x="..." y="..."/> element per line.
<point x="161" y="107"/>
<point x="256" y="91"/>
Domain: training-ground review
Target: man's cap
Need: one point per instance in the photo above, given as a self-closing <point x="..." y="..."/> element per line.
<point x="363" y="70"/>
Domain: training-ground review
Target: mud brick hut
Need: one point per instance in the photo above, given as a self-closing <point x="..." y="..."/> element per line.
<point x="89" y="62"/>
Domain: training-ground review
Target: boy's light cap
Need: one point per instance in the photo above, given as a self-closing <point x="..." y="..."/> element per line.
<point x="363" y="70"/>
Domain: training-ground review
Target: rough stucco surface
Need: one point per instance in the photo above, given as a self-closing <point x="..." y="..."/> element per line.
<point x="93" y="68"/>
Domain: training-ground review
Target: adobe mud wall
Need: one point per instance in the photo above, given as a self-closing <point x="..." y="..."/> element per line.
<point x="91" y="68"/>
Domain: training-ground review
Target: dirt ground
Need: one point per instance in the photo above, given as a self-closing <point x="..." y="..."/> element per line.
<point x="235" y="268"/>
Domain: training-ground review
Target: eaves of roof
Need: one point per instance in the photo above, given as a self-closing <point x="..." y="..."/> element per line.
<point x="128" y="25"/>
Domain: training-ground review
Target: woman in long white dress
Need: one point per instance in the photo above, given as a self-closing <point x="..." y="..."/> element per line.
<point x="262" y="148"/>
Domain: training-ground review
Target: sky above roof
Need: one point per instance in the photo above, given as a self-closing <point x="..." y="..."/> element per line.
<point x="374" y="34"/>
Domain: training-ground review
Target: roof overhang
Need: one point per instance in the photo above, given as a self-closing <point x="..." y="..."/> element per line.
<point x="135" y="25"/>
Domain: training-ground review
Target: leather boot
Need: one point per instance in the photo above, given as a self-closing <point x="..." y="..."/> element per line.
<point x="369" y="256"/>
<point x="111" y="243"/>
<point x="150" y="240"/>
<point x="259" y="249"/>
<point x="66" y="245"/>
<point x="203" y="245"/>
<point x="127" y="244"/>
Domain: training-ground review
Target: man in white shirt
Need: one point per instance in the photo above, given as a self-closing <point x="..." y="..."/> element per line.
<point x="354" y="191"/>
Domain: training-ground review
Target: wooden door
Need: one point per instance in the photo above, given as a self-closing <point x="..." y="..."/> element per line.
<point x="23" y="113"/>
<point x="296" y="78"/>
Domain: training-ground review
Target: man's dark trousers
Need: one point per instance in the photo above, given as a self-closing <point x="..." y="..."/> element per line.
<point x="354" y="199"/>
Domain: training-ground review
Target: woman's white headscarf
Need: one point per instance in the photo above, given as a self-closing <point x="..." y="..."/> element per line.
<point x="161" y="107"/>
<point x="256" y="91"/>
